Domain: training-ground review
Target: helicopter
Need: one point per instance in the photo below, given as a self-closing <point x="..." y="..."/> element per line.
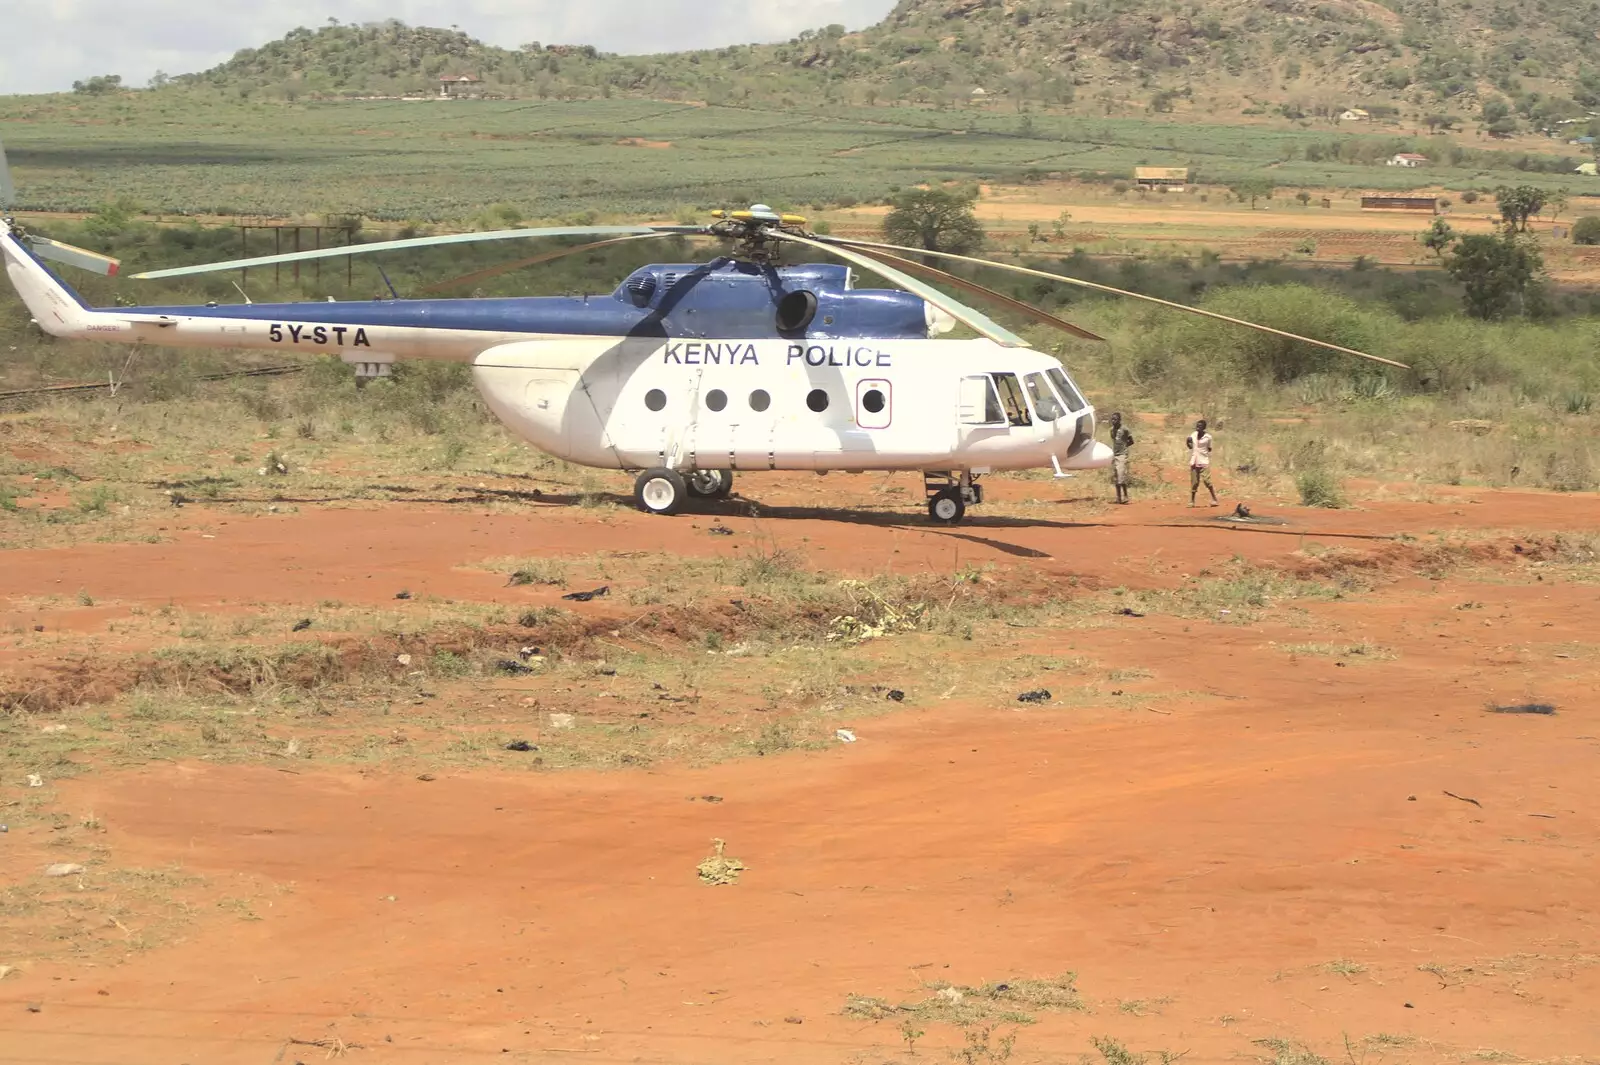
<point x="686" y="373"/>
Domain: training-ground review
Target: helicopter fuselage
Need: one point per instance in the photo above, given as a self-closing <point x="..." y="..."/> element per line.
<point x="683" y="367"/>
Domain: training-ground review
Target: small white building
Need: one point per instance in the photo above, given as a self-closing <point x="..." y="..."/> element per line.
<point x="1587" y="170"/>
<point x="1355" y="114"/>
<point x="1408" y="159"/>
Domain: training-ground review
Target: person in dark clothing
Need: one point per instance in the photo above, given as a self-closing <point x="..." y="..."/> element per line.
<point x="1121" y="441"/>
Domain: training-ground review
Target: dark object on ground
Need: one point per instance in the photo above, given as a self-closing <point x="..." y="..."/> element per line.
<point x="584" y="597"/>
<point x="793" y="1020"/>
<point x="1523" y="708"/>
<point x="532" y="619"/>
<point x="1038" y="695"/>
<point x="178" y="499"/>
<point x="402" y="594"/>
<point x="1517" y="548"/>
<point x="521" y="745"/>
<point x="538" y="493"/>
<point x="512" y="666"/>
<point x="38" y="628"/>
<point x="711" y="798"/>
<point x="1129" y="612"/>
<point x="606" y="672"/>
<point x="896" y="695"/>
<point x="1241" y="511"/>
<point x="302" y="625"/>
<point x="1463" y="798"/>
<point x="721" y="530"/>
<point x="425" y="777"/>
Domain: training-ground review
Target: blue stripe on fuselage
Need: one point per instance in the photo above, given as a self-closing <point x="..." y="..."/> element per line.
<point x="876" y="314"/>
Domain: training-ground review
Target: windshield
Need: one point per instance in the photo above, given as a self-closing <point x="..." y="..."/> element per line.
<point x="1069" y="392"/>
<point x="1045" y="403"/>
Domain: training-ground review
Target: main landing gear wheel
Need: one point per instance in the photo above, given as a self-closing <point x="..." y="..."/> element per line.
<point x="710" y="484"/>
<point x="660" y="491"/>
<point x="947" y="507"/>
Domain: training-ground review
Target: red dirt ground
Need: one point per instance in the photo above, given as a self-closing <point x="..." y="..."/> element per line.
<point x="1285" y="813"/>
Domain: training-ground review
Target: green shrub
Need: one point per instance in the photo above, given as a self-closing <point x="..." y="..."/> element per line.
<point x="1319" y="488"/>
<point x="1586" y="230"/>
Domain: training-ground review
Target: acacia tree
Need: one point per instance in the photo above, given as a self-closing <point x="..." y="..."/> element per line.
<point x="936" y="219"/>
<point x="1519" y="204"/>
<point x="1252" y="189"/>
<point x="1438" y="237"/>
<point x="1494" y="272"/>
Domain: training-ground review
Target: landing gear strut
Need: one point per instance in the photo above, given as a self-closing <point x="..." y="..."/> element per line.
<point x="949" y="494"/>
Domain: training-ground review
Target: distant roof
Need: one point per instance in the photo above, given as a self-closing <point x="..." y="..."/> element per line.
<point x="1161" y="173"/>
<point x="980" y="91"/>
<point x="459" y="77"/>
<point x="1411" y="155"/>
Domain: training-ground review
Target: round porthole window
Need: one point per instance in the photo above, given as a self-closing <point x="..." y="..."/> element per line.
<point x="759" y="400"/>
<point x="873" y="402"/>
<point x="716" y="399"/>
<point x="817" y="400"/>
<point x="655" y="399"/>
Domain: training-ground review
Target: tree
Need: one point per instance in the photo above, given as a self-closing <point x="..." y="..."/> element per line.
<point x="1519" y="204"/>
<point x="1438" y="237"/>
<point x="937" y="219"/>
<point x="1555" y="203"/>
<point x="1586" y="230"/>
<point x="99" y="84"/>
<point x="1303" y="196"/>
<point x="1440" y="123"/>
<point x="1252" y="189"/>
<point x="1494" y="272"/>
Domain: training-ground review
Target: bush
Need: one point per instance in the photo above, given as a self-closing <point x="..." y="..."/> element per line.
<point x="1586" y="230"/>
<point x="1319" y="488"/>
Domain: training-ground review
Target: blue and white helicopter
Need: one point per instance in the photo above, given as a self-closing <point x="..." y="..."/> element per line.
<point x="686" y="372"/>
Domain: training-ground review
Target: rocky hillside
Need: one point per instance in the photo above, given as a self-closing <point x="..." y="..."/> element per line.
<point x="1521" y="63"/>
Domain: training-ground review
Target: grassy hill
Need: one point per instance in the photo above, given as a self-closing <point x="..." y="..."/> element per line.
<point x="1522" y="64"/>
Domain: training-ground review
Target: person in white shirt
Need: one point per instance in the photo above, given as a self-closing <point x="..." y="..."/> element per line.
<point x="1199" y="445"/>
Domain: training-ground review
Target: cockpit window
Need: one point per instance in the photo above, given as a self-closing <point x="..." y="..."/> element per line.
<point x="1069" y="392"/>
<point x="1011" y="399"/>
<point x="980" y="405"/>
<point x="1045" y="403"/>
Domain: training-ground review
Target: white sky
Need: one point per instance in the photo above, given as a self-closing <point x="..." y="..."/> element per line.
<point x="46" y="45"/>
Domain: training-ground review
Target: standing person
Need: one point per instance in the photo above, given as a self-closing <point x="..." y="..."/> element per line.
<point x="1121" y="441"/>
<point x="1199" y="445"/>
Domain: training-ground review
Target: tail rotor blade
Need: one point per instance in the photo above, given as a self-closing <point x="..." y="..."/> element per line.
<point x="970" y="316"/>
<point x="423" y="242"/>
<point x="81" y="258"/>
<point x="8" y="191"/>
<point x="1063" y="279"/>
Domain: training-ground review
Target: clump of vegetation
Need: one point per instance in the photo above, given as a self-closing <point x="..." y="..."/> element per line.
<point x="1011" y="1001"/>
<point x="1319" y="488"/>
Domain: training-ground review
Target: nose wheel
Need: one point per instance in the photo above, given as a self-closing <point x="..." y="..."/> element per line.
<point x="949" y="494"/>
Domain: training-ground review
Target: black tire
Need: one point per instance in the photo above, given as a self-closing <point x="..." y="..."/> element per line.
<point x="710" y="484"/>
<point x="947" y="506"/>
<point x="660" y="491"/>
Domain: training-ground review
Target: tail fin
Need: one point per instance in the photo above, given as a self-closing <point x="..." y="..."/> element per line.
<point x="57" y="309"/>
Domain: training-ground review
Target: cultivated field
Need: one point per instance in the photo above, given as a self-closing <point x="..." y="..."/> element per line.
<point x="1266" y="812"/>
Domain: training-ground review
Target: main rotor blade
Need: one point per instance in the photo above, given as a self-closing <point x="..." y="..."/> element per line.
<point x="1116" y="291"/>
<point x="954" y="308"/>
<point x="506" y="268"/>
<point x="1026" y="309"/>
<point x="420" y="242"/>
